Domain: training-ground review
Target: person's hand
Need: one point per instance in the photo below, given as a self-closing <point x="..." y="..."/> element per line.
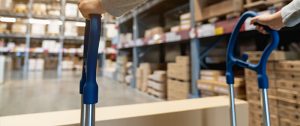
<point x="274" y="21"/>
<point x="88" y="7"/>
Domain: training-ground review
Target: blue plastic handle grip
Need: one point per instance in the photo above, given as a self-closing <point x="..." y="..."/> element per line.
<point x="85" y="49"/>
<point x="90" y="88"/>
<point x="259" y="68"/>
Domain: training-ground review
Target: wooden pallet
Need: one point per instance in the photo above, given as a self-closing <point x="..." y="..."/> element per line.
<point x="288" y="66"/>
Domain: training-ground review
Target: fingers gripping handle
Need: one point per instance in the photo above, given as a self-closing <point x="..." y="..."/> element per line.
<point x="260" y="68"/>
<point x="85" y="48"/>
<point x="90" y="89"/>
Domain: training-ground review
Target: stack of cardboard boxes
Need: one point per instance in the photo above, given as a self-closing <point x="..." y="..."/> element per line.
<point x="179" y="78"/>
<point x="253" y="92"/>
<point x="157" y="84"/>
<point x="288" y="87"/>
<point x="213" y="83"/>
<point x="128" y="77"/>
<point x="121" y="68"/>
<point x="185" y="21"/>
<point x="142" y="76"/>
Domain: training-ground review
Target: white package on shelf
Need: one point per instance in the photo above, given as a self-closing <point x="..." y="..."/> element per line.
<point x="172" y="37"/>
<point x="67" y="65"/>
<point x="38" y="29"/>
<point x="39" y="64"/>
<point x="2" y="69"/>
<point x="206" y="30"/>
<point x="71" y="10"/>
<point x="6" y="4"/>
<point x="53" y="29"/>
<point x="19" y="28"/>
<point x="32" y="64"/>
<point x="70" y="29"/>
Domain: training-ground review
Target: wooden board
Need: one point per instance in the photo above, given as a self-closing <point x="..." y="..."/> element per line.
<point x="288" y="66"/>
<point x="275" y="56"/>
<point x="292" y="76"/>
<point x="287" y="95"/>
<point x="253" y="82"/>
<point x="252" y="74"/>
<point x="157" y="86"/>
<point x="193" y="112"/>
<point x="288" y="84"/>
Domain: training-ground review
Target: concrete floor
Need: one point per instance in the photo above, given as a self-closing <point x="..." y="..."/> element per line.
<point x="44" y="92"/>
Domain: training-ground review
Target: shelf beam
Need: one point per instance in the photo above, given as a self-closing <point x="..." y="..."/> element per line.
<point x="142" y="8"/>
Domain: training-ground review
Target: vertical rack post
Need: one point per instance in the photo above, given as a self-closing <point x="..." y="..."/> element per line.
<point x="135" y="49"/>
<point x="195" y="52"/>
<point x="61" y="37"/>
<point x="103" y="56"/>
<point x="28" y="36"/>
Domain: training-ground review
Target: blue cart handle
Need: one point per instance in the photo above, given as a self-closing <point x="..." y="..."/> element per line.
<point x="90" y="88"/>
<point x="85" y="49"/>
<point x="259" y="68"/>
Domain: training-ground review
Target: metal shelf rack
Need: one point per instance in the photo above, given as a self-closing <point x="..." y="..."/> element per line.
<point x="28" y="37"/>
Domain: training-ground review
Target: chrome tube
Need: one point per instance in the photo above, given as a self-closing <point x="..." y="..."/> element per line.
<point x="265" y="104"/>
<point x="82" y="113"/>
<point x="89" y="115"/>
<point x="232" y="105"/>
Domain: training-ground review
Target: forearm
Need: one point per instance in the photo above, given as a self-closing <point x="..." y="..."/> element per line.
<point x="291" y="13"/>
<point x="119" y="7"/>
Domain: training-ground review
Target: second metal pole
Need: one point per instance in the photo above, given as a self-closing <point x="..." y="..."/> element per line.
<point x="265" y="104"/>
<point x="82" y="115"/>
<point x="89" y="114"/>
<point x="232" y="105"/>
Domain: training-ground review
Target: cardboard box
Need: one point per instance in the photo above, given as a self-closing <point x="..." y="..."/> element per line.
<point x="39" y="9"/>
<point x="19" y="28"/>
<point x="175" y="29"/>
<point x="204" y="10"/>
<point x="178" y="71"/>
<point x="177" y="89"/>
<point x="186" y="16"/>
<point x="184" y="60"/>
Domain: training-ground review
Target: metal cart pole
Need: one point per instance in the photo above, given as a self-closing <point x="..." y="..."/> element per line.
<point x="259" y="68"/>
<point x="88" y="83"/>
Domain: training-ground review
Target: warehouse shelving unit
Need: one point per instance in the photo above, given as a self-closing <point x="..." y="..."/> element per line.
<point x="191" y="36"/>
<point x="28" y="37"/>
